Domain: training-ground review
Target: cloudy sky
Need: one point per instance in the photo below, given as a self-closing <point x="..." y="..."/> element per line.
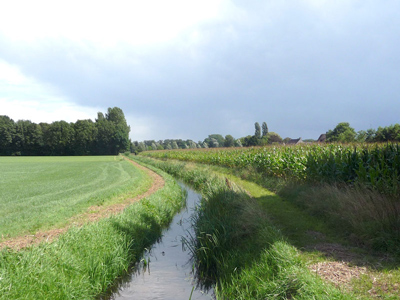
<point x="187" y="68"/>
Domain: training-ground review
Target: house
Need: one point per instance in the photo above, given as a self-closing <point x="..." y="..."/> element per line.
<point x="295" y="141"/>
<point x="322" y="138"/>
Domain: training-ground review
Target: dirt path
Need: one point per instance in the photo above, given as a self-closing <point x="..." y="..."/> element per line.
<point x="92" y="214"/>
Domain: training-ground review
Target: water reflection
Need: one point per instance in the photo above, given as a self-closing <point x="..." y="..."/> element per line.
<point x="165" y="272"/>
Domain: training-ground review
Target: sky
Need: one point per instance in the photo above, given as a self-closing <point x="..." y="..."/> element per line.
<point x="184" y="69"/>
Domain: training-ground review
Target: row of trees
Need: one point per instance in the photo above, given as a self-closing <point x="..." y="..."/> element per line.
<point x="344" y="133"/>
<point x="212" y="141"/>
<point x="261" y="137"/>
<point x="109" y="134"/>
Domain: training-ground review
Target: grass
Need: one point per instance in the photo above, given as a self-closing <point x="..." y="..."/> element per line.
<point x="262" y="249"/>
<point x="39" y="193"/>
<point x="85" y="262"/>
<point x="238" y="250"/>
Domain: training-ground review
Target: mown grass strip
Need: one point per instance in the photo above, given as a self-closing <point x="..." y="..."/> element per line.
<point x="85" y="262"/>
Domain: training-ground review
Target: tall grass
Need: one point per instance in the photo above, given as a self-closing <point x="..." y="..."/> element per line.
<point x="237" y="250"/>
<point x="84" y="263"/>
<point x="354" y="188"/>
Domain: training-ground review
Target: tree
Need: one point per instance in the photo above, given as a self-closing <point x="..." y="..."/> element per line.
<point x="361" y="136"/>
<point x="112" y="132"/>
<point x="141" y="147"/>
<point x="210" y="140"/>
<point x="389" y="133"/>
<point x="28" y="138"/>
<point x="370" y="135"/>
<point x="104" y="135"/>
<point x="85" y="137"/>
<point x="59" y="137"/>
<point x="7" y="131"/>
<point x="120" y="137"/>
<point x="274" y="138"/>
<point x="342" y="133"/>
<point x="192" y="144"/>
<point x="257" y="132"/>
<point x="249" y="141"/>
<point x="213" y="143"/>
<point x="229" y="141"/>
<point x="264" y="129"/>
<point x="174" y="145"/>
<point x="238" y="143"/>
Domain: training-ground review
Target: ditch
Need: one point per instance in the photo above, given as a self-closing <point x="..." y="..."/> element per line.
<point x="166" y="270"/>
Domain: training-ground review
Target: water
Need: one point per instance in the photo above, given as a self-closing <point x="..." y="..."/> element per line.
<point x="168" y="273"/>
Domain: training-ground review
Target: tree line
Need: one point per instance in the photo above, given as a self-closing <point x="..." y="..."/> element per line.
<point x="261" y="137"/>
<point x="107" y="135"/>
<point x="344" y="133"/>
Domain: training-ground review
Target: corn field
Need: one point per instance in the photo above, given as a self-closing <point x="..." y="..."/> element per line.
<point x="376" y="166"/>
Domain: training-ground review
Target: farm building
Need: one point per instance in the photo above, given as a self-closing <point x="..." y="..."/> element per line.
<point x="295" y="141"/>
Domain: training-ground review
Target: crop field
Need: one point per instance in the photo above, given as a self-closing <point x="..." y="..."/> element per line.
<point x="38" y="193"/>
<point x="376" y="166"/>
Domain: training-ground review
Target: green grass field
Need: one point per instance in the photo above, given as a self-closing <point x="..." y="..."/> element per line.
<point x="39" y="193"/>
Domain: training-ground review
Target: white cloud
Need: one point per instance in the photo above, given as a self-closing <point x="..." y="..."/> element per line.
<point x="24" y="98"/>
<point x="104" y="22"/>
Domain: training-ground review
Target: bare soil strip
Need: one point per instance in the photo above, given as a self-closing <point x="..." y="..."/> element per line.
<point x="92" y="214"/>
<point x="345" y="266"/>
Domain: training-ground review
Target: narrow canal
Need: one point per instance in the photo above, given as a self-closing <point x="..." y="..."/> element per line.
<point x="166" y="271"/>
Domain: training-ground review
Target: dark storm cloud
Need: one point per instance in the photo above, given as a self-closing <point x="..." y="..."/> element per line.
<point x="300" y="68"/>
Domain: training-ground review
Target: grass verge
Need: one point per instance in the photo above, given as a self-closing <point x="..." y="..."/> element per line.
<point x="236" y="248"/>
<point x="85" y="262"/>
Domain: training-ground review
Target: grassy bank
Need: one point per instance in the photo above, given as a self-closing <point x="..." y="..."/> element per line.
<point x="39" y="193"/>
<point x="353" y="188"/>
<point x="85" y="262"/>
<point x="236" y="248"/>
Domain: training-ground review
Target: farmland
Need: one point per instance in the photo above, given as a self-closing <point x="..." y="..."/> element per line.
<point x="376" y="166"/>
<point x="38" y="193"/>
<point x="355" y="188"/>
<point x="264" y="246"/>
<point x="85" y="261"/>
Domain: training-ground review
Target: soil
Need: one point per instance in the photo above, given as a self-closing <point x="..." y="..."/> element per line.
<point x="92" y="214"/>
<point x="346" y="266"/>
<point x="343" y="270"/>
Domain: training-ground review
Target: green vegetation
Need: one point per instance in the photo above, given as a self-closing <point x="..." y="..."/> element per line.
<point x="354" y="188"/>
<point x="376" y="166"/>
<point x="39" y="193"/>
<point x="108" y="135"/>
<point x="236" y="247"/>
<point x="342" y="133"/>
<point x="249" y="248"/>
<point x="84" y="262"/>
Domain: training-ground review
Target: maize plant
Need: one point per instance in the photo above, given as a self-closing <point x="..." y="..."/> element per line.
<point x="376" y="166"/>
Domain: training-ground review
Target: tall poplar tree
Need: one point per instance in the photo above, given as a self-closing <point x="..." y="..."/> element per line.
<point x="257" y="133"/>
<point x="264" y="129"/>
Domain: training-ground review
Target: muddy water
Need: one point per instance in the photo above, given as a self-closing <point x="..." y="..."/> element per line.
<point x="166" y="271"/>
